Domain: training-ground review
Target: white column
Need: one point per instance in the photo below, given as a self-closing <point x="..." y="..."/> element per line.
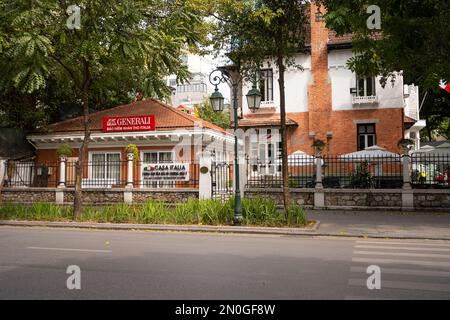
<point x="319" y="184"/>
<point x="2" y="170"/>
<point x="407" y="192"/>
<point x="319" y="194"/>
<point x="205" y="179"/>
<point x="406" y="172"/>
<point x="62" y="172"/>
<point x="130" y="159"/>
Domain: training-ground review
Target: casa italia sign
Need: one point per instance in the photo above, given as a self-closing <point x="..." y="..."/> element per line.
<point x="128" y="124"/>
<point x="166" y="172"/>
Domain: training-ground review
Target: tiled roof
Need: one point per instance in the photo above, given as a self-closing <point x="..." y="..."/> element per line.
<point x="264" y="120"/>
<point x="167" y="118"/>
<point x="333" y="39"/>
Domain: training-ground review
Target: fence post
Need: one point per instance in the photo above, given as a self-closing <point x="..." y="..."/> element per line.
<point x="319" y="194"/>
<point x="205" y="178"/>
<point x="128" y="193"/>
<point x="62" y="172"/>
<point x="2" y="170"/>
<point x="407" y="192"/>
<point x="130" y="159"/>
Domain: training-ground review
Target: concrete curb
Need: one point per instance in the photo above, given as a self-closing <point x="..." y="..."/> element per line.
<point x="313" y="231"/>
<point x="174" y="228"/>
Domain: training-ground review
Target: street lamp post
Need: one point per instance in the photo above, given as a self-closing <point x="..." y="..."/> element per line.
<point x="217" y="77"/>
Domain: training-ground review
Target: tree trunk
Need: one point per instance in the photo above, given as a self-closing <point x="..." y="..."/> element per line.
<point x="78" y="198"/>
<point x="429" y="131"/>
<point x="283" y="132"/>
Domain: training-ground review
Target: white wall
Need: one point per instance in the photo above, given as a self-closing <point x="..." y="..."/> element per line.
<point x="342" y="79"/>
<point x="296" y="83"/>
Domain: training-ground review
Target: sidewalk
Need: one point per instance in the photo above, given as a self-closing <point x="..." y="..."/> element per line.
<point x="380" y="224"/>
<point x="433" y="226"/>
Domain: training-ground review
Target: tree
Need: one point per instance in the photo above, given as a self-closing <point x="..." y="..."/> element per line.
<point x="206" y="112"/>
<point x="136" y="41"/>
<point x="254" y="32"/>
<point x="414" y="38"/>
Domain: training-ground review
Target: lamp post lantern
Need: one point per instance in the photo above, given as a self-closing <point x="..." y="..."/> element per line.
<point x="222" y="75"/>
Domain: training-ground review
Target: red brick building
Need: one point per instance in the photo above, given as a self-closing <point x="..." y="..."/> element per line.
<point x="327" y="101"/>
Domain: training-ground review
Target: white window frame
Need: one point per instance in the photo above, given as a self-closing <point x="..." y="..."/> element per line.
<point x="366" y="135"/>
<point x="263" y="165"/>
<point x="158" y="184"/>
<point x="268" y="85"/>
<point x="90" y="167"/>
<point x="373" y="80"/>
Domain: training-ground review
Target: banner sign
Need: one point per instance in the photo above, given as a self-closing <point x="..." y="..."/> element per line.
<point x="128" y="124"/>
<point x="166" y="172"/>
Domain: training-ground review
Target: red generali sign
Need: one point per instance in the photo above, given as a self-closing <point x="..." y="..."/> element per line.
<point x="128" y="124"/>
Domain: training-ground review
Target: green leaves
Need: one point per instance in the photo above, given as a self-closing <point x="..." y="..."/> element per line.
<point x="127" y="45"/>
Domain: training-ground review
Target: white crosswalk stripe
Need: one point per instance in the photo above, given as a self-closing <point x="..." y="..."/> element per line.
<point x="409" y="269"/>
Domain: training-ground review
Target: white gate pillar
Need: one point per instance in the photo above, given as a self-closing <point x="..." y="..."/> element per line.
<point x="407" y="192"/>
<point x="242" y="176"/>
<point x="205" y="178"/>
<point x="319" y="194"/>
<point x="62" y="172"/>
<point x="2" y="170"/>
<point x="130" y="180"/>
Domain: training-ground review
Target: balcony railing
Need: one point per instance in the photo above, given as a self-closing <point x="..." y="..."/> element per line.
<point x="358" y="100"/>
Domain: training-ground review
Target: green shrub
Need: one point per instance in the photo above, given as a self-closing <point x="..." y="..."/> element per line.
<point x="152" y="212"/>
<point x="256" y="212"/>
<point x="260" y="211"/>
<point x="119" y="213"/>
<point x="13" y="211"/>
<point x="48" y="212"/>
<point x="296" y="216"/>
<point x="214" y="212"/>
<point x="186" y="213"/>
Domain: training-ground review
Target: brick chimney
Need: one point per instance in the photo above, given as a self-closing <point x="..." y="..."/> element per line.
<point x="319" y="93"/>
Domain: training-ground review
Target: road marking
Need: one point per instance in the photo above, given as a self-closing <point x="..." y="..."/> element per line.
<point x="406" y="272"/>
<point x="403" y="254"/>
<point x="405" y="285"/>
<point x="403" y="243"/>
<point x="397" y="261"/>
<point x="364" y="298"/>
<point x="402" y="248"/>
<point x="71" y="250"/>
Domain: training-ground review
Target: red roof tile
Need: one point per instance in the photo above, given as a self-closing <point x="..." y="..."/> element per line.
<point x="167" y="118"/>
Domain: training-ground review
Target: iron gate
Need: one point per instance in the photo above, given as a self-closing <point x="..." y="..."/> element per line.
<point x="222" y="183"/>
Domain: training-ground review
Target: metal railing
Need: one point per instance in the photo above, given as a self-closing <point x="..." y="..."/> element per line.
<point x="101" y="174"/>
<point x="337" y="172"/>
<point x="363" y="172"/>
<point x="30" y="174"/>
<point x="430" y="170"/>
<point x="268" y="174"/>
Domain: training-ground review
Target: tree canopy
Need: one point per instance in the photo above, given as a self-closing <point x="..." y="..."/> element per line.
<point x="121" y="46"/>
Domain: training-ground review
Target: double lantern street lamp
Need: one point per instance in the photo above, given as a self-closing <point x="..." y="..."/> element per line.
<point x="254" y="97"/>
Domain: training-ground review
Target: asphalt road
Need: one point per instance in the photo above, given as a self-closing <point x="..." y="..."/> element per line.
<point x="151" y="265"/>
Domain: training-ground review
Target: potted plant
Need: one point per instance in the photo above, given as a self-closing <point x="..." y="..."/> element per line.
<point x="318" y="146"/>
<point x="64" y="151"/>
<point x="133" y="150"/>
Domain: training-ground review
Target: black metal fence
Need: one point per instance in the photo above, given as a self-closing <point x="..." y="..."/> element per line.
<point x="427" y="171"/>
<point x="430" y="170"/>
<point x="268" y="174"/>
<point x="337" y="172"/>
<point x="104" y="174"/>
<point x="222" y="180"/>
<point x="362" y="172"/>
<point x="30" y="174"/>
